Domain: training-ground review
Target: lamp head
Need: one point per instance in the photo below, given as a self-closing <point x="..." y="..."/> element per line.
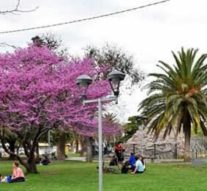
<point x="115" y="77"/>
<point x="83" y="80"/>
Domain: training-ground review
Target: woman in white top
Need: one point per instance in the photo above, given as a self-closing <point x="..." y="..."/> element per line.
<point x="139" y="165"/>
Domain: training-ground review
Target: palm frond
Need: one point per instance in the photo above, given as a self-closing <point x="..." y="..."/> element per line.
<point x="177" y="94"/>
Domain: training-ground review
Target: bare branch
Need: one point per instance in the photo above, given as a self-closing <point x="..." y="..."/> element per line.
<point x="6" y="44"/>
<point x="17" y="9"/>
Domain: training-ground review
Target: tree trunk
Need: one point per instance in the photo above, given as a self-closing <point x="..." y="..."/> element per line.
<point x="37" y="151"/>
<point x="187" y="134"/>
<point x="12" y="149"/>
<point x="77" y="145"/>
<point x="31" y="166"/>
<point x="89" y="157"/>
<point x="83" y="146"/>
<point x="30" y="151"/>
<point x="187" y="156"/>
<point x="61" y="146"/>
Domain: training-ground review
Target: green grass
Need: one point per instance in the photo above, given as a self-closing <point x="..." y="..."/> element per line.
<point x="76" y="176"/>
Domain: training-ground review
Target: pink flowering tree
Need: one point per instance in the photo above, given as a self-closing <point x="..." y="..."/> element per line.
<point x="38" y="93"/>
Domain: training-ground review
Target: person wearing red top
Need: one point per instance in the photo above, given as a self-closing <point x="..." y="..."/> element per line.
<point x="17" y="174"/>
<point x="119" y="152"/>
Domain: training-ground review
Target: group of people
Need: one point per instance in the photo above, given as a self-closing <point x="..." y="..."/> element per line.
<point x="17" y="175"/>
<point x="135" y="164"/>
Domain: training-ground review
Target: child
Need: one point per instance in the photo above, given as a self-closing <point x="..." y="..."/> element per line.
<point x="4" y="178"/>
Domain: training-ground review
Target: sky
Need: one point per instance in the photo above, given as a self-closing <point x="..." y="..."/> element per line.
<point x="148" y="34"/>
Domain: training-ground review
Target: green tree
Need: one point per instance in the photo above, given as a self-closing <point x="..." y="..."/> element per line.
<point x="131" y="127"/>
<point x="177" y="97"/>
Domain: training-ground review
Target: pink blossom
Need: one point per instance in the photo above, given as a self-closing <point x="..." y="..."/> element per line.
<point x="37" y="87"/>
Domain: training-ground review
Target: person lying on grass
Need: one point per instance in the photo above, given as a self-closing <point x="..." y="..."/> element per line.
<point x="17" y="175"/>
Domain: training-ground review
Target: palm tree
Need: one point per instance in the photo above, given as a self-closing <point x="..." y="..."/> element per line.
<point x="177" y="97"/>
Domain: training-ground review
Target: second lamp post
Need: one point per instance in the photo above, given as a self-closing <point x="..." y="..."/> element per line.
<point x="114" y="78"/>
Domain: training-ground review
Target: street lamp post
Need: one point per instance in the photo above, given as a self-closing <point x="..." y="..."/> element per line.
<point x="114" y="77"/>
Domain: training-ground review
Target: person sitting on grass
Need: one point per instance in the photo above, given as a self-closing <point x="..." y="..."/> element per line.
<point x="125" y="167"/>
<point x="112" y="167"/>
<point x="45" y="160"/>
<point x="113" y="161"/>
<point x="132" y="161"/>
<point x="129" y="165"/>
<point x="17" y="174"/>
<point x="139" y="165"/>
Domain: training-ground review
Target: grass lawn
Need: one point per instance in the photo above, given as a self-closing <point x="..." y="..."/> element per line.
<point x="77" y="176"/>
